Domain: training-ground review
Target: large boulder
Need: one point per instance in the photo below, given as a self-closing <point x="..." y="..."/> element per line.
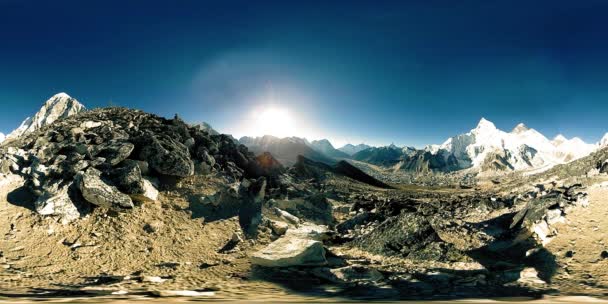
<point x="301" y="246"/>
<point x="167" y="156"/>
<point x="99" y="193"/>
<point x="291" y="250"/>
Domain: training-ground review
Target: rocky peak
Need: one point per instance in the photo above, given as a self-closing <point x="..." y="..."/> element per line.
<point x="59" y="106"/>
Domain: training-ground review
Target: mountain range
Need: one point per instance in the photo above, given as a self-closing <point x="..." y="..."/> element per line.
<point x="483" y="149"/>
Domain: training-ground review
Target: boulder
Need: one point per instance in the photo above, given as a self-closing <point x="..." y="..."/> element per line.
<point x="99" y="193"/>
<point x="128" y="178"/>
<point x="56" y="201"/>
<point x="114" y="151"/>
<point x="291" y="250"/>
<point x="167" y="156"/>
<point x="150" y="194"/>
<point x="279" y="228"/>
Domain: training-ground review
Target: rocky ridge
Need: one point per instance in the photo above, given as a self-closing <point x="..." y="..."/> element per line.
<point x="113" y="157"/>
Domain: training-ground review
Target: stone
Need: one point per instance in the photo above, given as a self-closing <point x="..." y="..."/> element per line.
<point x="348" y="274"/>
<point x="56" y="201"/>
<point x="149" y="195"/>
<point x="278" y="228"/>
<point x="128" y="178"/>
<point x="152" y="279"/>
<point x="99" y="193"/>
<point x="167" y="156"/>
<point x="114" y="151"/>
<point x="291" y="251"/>
<point x="286" y="216"/>
<point x="529" y="276"/>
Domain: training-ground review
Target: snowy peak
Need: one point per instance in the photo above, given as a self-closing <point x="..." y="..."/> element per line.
<point x="604" y="141"/>
<point x="2" y="137"/>
<point x="559" y="139"/>
<point x="59" y="106"/>
<point x="520" y="128"/>
<point x="485" y="125"/>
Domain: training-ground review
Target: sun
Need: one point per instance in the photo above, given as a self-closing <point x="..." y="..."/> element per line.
<point x="273" y="121"/>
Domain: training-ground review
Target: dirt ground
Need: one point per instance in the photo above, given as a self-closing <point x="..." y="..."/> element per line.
<point x="170" y="245"/>
<point x="581" y="246"/>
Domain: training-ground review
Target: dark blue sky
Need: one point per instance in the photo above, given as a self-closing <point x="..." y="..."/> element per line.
<point x="408" y="72"/>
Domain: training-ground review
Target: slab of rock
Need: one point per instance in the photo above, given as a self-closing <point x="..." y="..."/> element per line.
<point x="114" y="151"/>
<point x="289" y="251"/>
<point x="99" y="193"/>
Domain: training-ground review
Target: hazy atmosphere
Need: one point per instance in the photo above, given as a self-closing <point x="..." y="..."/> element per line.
<point x="403" y="72"/>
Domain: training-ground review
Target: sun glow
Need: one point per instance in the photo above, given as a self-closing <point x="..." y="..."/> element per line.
<point x="273" y="121"/>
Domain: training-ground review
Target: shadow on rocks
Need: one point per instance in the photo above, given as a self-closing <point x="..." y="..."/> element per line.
<point x="22" y="197"/>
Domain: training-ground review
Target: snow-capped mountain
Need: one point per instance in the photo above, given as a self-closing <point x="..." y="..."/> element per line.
<point x="487" y="148"/>
<point x="604" y="141"/>
<point x="2" y="137"/>
<point x="352" y="149"/>
<point x="59" y="106"/>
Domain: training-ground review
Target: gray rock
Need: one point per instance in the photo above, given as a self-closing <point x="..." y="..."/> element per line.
<point x="167" y="156"/>
<point x="114" y="151"/>
<point x="128" y="178"/>
<point x="99" y="193"/>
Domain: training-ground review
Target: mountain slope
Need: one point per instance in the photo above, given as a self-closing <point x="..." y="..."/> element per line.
<point x="325" y="147"/>
<point x="285" y="150"/>
<point x="352" y="149"/>
<point x="2" y="137"/>
<point x="384" y="156"/>
<point x="59" y="106"/>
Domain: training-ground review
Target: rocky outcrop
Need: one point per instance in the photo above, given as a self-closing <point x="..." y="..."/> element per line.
<point x="108" y="158"/>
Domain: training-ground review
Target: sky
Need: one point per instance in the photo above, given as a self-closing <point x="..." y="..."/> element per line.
<point x="404" y="72"/>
